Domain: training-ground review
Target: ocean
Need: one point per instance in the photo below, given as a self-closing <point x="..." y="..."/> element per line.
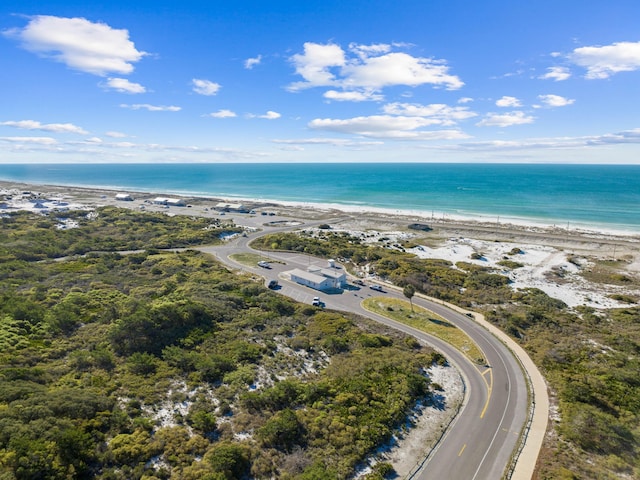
<point x="569" y="196"/>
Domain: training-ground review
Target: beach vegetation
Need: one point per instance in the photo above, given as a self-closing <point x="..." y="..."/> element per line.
<point x="590" y="358"/>
<point x="161" y="364"/>
<point x="510" y="264"/>
<point x="426" y="321"/>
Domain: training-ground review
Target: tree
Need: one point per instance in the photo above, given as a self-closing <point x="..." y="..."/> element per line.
<point x="409" y="291"/>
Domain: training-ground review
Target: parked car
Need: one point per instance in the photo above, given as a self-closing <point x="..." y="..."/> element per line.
<point x="377" y="288"/>
<point x="316" y="302"/>
<point x="273" y="284"/>
<point x="264" y="264"/>
<point x="357" y="281"/>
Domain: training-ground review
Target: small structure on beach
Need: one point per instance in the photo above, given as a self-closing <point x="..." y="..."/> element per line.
<point x="231" y="207"/>
<point x="124" y="197"/>
<point x="319" y="278"/>
<point x="175" y="202"/>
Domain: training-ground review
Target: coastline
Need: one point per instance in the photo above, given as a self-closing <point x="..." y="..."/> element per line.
<point x="495" y="222"/>
<point x="550" y="249"/>
<point x="545" y="251"/>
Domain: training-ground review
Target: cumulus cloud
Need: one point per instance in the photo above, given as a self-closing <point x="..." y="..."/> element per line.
<point x="46" y="127"/>
<point x="123" y="85"/>
<point x="151" y="108"/>
<point x="222" y="114"/>
<point x="270" y="115"/>
<point x="352" y="96"/>
<point x="386" y="126"/>
<point x="367" y="68"/>
<point x="505" y="119"/>
<point x="205" y="87"/>
<point x="508" y="102"/>
<point x="464" y="100"/>
<point x="603" y="61"/>
<point x="249" y="63"/>
<point x="439" y="113"/>
<point x="80" y="44"/>
<point x="556" y="73"/>
<point x="551" y="100"/>
<point x="315" y="63"/>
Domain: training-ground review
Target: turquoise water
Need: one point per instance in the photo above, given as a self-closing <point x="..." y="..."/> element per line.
<point x="588" y="195"/>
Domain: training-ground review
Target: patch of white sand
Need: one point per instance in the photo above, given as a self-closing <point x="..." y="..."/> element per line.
<point x="545" y="268"/>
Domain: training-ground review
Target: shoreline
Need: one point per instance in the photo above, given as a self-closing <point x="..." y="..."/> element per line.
<point x="504" y="230"/>
<point x="435" y="217"/>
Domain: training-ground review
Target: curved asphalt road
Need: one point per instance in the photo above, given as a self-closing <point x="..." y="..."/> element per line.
<point x="482" y="438"/>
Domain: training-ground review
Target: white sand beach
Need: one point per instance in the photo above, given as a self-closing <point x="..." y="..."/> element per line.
<point x="553" y="259"/>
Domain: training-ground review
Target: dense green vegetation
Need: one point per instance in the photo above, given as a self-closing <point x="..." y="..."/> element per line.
<point x="30" y="237"/>
<point x="163" y="365"/>
<point x="426" y="321"/>
<point x="590" y="358"/>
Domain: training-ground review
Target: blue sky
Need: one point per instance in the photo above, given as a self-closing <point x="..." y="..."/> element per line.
<point x="320" y="81"/>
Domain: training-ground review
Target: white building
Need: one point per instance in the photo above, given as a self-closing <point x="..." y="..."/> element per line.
<point x="176" y="202"/>
<point x="231" y="207"/>
<point x="124" y="197"/>
<point x="319" y="278"/>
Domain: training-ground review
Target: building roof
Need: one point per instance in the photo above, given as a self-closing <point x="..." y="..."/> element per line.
<point x="309" y="276"/>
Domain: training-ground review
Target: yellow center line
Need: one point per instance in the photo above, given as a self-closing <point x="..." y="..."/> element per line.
<point x="489" y="385"/>
<point x="462" y="449"/>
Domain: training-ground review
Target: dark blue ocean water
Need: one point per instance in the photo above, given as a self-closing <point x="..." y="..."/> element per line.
<point x="589" y="195"/>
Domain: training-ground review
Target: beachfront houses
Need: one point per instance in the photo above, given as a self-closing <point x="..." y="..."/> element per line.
<point x="319" y="278"/>
<point x="124" y="197"/>
<point x="231" y="207"/>
<point x="174" y="202"/>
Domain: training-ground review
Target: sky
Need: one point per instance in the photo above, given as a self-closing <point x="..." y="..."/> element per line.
<point x="161" y="81"/>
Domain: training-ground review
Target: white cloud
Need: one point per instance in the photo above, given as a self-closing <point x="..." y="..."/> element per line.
<point x="30" y="140"/>
<point x="364" y="51"/>
<point x="551" y="100"/>
<point x="249" y="63"/>
<point x="80" y="44"/>
<point x="222" y="114"/>
<point x="556" y="73"/>
<point x="205" y="87"/>
<point x="352" y="96"/>
<point x="505" y="119"/>
<point x="398" y="68"/>
<point x="314" y="64"/>
<point x="270" y="115"/>
<point x="151" y="108"/>
<point x="508" y="102"/>
<point x="48" y="127"/>
<point x="123" y="85"/>
<point x="337" y="142"/>
<point x="113" y="134"/>
<point x="602" y="62"/>
<point x="438" y="112"/>
<point x="624" y="137"/>
<point x="464" y="100"/>
<point x="386" y="126"/>
<point x="369" y="68"/>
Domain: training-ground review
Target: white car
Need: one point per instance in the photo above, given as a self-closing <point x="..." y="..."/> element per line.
<point x="316" y="302"/>
<point x="264" y="264"/>
<point x="377" y="288"/>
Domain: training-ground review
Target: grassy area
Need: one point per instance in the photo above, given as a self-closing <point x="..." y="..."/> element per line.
<point x="426" y="321"/>
<point x="249" y="259"/>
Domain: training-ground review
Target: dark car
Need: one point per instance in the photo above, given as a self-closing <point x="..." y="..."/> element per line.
<point x="272" y="284"/>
